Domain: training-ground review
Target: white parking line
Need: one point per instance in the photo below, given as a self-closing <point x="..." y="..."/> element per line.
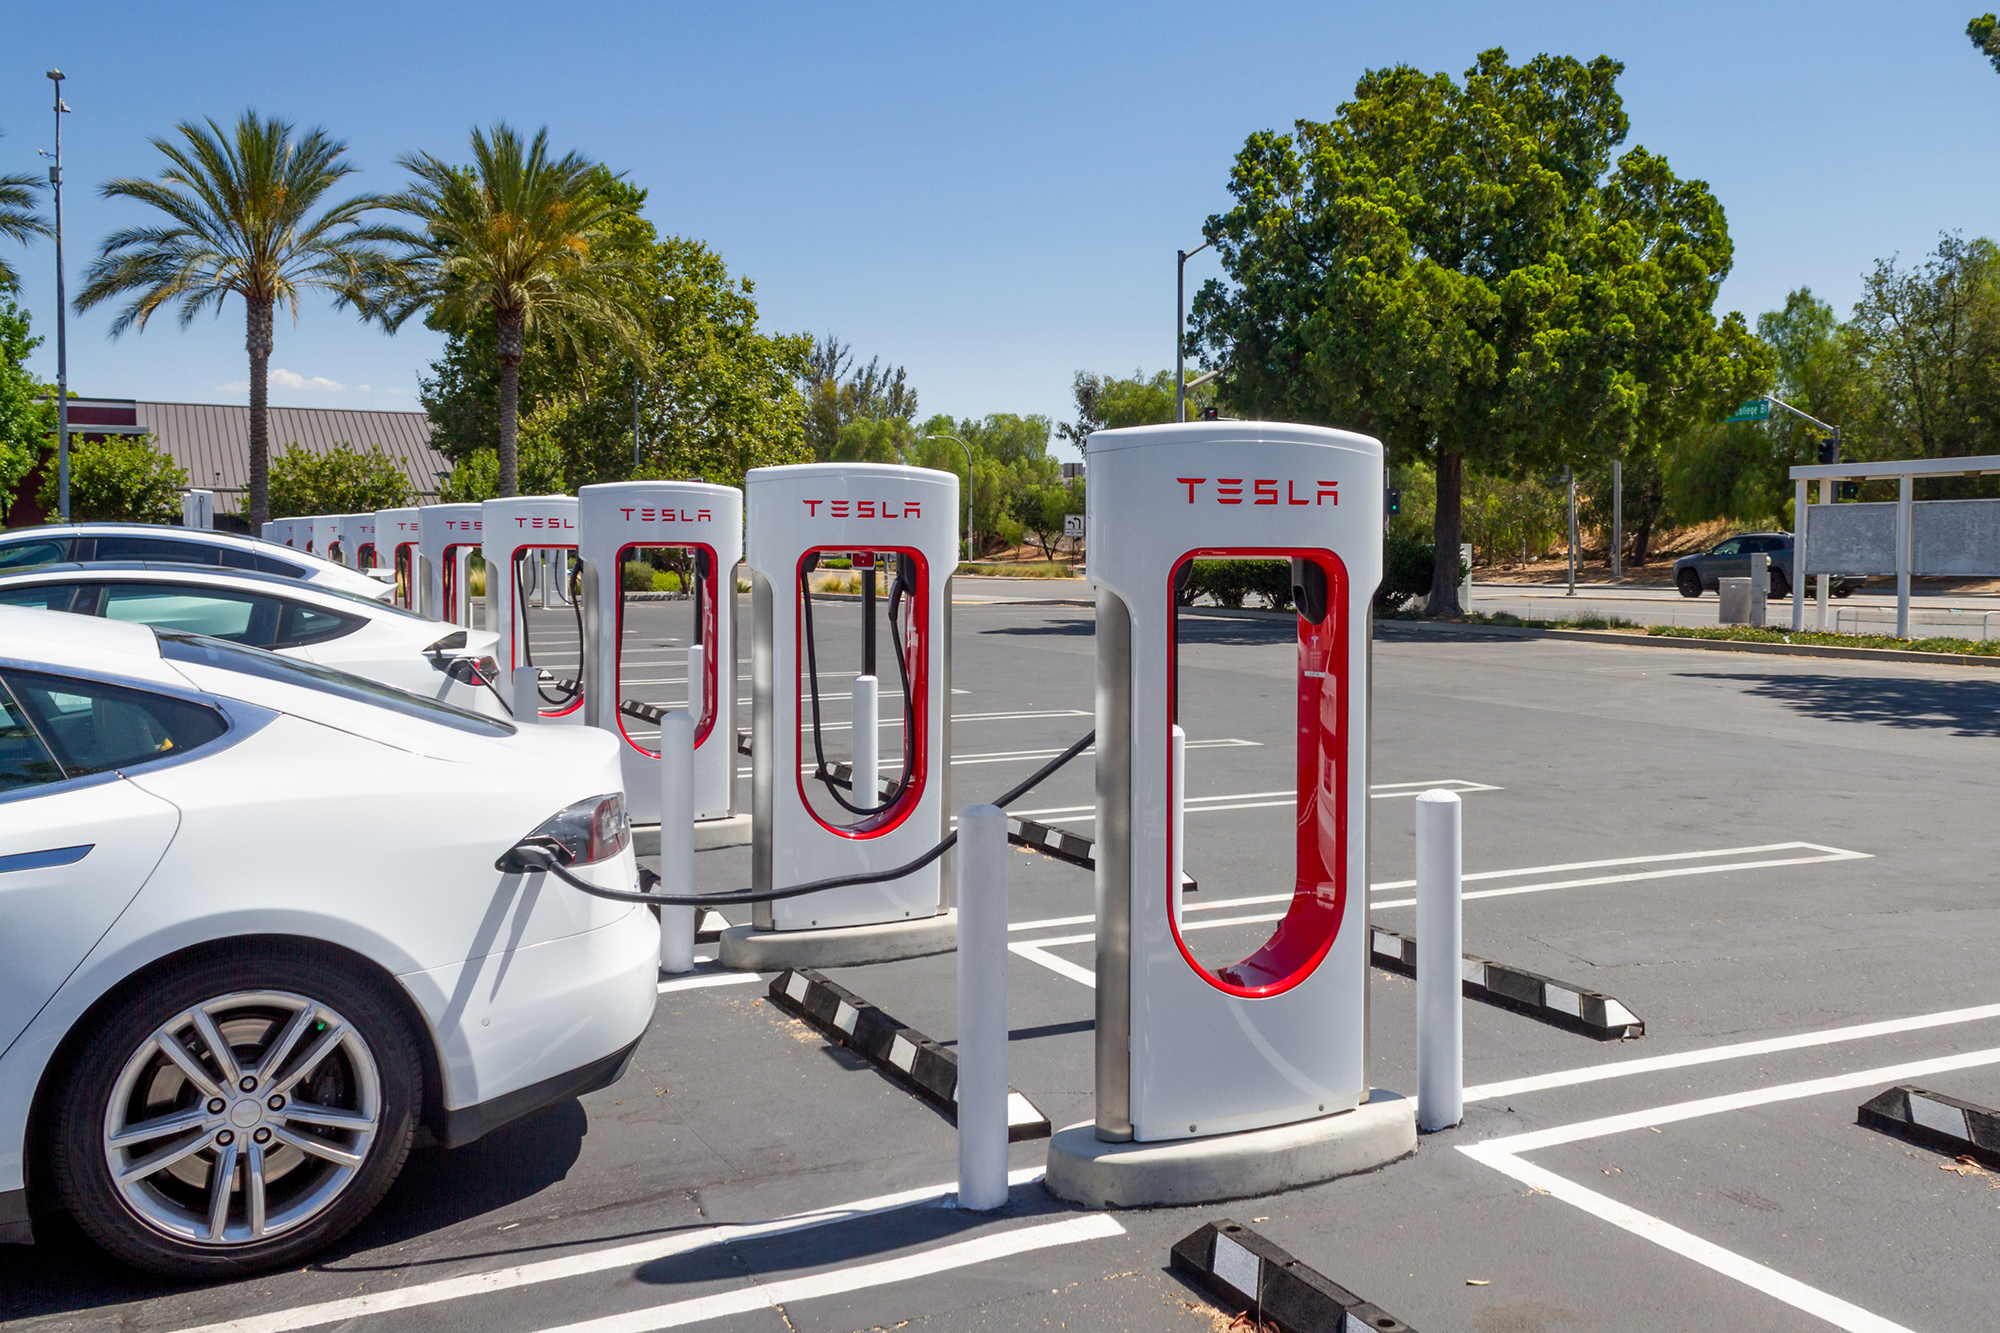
<point x="701" y="980"/>
<point x="1034" y="952"/>
<point x="945" y="1258"/>
<point x="1503" y="1155"/>
<point x="580" y="1265"/>
<point x="1251" y="800"/>
<point x="1826" y="854"/>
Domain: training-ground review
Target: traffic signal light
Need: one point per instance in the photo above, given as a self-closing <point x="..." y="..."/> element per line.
<point x="1210" y="413"/>
<point x="1850" y="490"/>
<point x="1395" y="501"/>
<point x="1829" y="450"/>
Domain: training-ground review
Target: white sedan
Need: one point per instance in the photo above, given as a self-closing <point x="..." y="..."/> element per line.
<point x="22" y="548"/>
<point x="254" y="931"/>
<point x="313" y="622"/>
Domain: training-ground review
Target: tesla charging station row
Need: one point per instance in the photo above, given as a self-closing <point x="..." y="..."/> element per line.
<point x="447" y="535"/>
<point x="806" y="825"/>
<point x="526" y="542"/>
<point x="1188" y="1050"/>
<point x="619" y="522"/>
<point x="356" y="535"/>
<point x="396" y="534"/>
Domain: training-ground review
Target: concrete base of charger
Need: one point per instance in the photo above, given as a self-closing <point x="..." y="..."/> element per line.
<point x="709" y="834"/>
<point x="1084" y="1169"/>
<point x="752" y="950"/>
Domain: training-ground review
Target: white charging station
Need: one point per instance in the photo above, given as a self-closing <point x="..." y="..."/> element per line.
<point x="908" y="519"/>
<point x="356" y="533"/>
<point x="447" y="535"/>
<point x="197" y="509"/>
<point x="527" y="542"/>
<point x="396" y="535"/>
<point x="1187" y="1051"/>
<point x="322" y="533"/>
<point x="282" y="531"/>
<point x="618" y="523"/>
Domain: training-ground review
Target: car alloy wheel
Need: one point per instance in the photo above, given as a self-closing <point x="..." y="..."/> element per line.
<point x="1780" y="585"/>
<point x="238" y="1113"/>
<point x="1689" y="583"/>
<point x="242" y="1117"/>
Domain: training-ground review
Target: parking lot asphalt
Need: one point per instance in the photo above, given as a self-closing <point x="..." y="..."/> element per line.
<point x="1784" y="866"/>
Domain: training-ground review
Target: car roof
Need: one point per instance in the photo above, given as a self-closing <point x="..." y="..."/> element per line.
<point x="160" y="571"/>
<point x="57" y="639"/>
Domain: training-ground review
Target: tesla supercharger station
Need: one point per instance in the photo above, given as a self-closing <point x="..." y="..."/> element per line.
<point x="356" y="533"/>
<point x="321" y="532"/>
<point x="527" y="541"/>
<point x="618" y="522"/>
<point x="282" y="531"/>
<point x="907" y="517"/>
<point x="447" y="535"/>
<point x="1189" y="1050"/>
<point x="396" y="536"/>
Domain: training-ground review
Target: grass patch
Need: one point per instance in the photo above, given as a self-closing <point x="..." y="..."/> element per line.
<point x="1517" y="622"/>
<point x="1026" y="569"/>
<point x="1746" y="634"/>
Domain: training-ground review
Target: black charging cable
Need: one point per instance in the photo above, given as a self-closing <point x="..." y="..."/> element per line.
<point x="822" y="771"/>
<point x="553" y="858"/>
<point x="527" y="643"/>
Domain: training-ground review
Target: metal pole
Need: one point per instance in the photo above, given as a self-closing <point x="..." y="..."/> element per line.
<point x="866" y="710"/>
<point x="1825" y="584"/>
<point x="1569" y="485"/>
<point x="982" y="1007"/>
<point x="1799" y="556"/>
<point x="1904" y="488"/>
<point x="1440" y="946"/>
<point x="635" y="420"/>
<point x="62" y="320"/>
<point x="1617" y="520"/>
<point x="677" y="924"/>
<point x="1178" y="820"/>
<point x="1180" y="327"/>
<point x="527" y="691"/>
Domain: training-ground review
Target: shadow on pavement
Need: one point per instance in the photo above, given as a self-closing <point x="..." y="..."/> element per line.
<point x="1962" y="707"/>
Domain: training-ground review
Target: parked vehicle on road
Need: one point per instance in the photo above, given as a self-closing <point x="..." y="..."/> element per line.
<point x="253" y="934"/>
<point x="85" y="542"/>
<point x="1730" y="559"/>
<point x="314" y="622"/>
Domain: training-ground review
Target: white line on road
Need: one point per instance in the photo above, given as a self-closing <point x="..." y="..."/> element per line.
<point x="771" y="1295"/>
<point x="580" y="1265"/>
<point x="1034" y="952"/>
<point x="709" y="979"/>
<point x="1083" y="814"/>
<point x="1828" y="854"/>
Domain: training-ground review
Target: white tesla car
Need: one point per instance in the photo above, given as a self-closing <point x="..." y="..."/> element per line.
<point x="313" y="622"/>
<point x="254" y="931"/>
<point x="84" y="542"/>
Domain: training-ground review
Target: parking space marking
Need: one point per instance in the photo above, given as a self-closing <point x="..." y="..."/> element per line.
<point x="581" y="1265"/>
<point x="1826" y="854"/>
<point x="704" y="979"/>
<point x="1035" y="951"/>
<point x="860" y="1277"/>
<point x="1504" y="1155"/>
<point x="1251" y="800"/>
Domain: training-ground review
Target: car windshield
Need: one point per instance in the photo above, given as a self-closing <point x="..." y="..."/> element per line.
<point x="201" y="651"/>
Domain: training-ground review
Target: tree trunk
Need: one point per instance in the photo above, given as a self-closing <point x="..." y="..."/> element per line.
<point x="1445" y="532"/>
<point x="509" y="341"/>
<point x="257" y="340"/>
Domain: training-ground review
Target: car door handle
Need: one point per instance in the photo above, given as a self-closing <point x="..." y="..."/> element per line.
<point x="53" y="856"/>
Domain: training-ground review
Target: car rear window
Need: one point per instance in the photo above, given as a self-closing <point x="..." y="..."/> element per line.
<point x="40" y="551"/>
<point x="174" y="549"/>
<point x="216" y="653"/>
<point x="40" y="596"/>
<point x="232" y="558"/>
<point x="88" y="727"/>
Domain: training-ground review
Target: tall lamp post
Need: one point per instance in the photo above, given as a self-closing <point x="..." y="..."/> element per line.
<point x="62" y="322"/>
<point x="1181" y="258"/>
<point x="638" y="373"/>
<point x="968" y="487"/>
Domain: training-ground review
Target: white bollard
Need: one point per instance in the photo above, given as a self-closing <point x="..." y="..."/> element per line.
<point x="982" y="1007"/>
<point x="867" y="714"/>
<point x="697" y="661"/>
<point x="677" y="924"/>
<point x="526" y="696"/>
<point x="1179" y="876"/>
<point x="1440" y="950"/>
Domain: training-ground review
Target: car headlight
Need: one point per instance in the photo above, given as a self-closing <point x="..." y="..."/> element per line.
<point x="585" y="833"/>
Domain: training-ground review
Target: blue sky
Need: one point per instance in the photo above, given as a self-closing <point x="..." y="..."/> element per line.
<point x="991" y="196"/>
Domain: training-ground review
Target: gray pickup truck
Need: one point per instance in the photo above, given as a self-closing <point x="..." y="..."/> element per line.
<point x="1730" y="559"/>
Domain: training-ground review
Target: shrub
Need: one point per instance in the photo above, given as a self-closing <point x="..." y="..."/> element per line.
<point x="1230" y="582"/>
<point x="666" y="580"/>
<point x="638" y="576"/>
<point x="339" y="480"/>
<point x="1406" y="572"/>
<point x="119" y="479"/>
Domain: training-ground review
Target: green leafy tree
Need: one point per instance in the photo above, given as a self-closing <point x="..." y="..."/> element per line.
<point x="1984" y="33"/>
<point x="837" y="394"/>
<point x="1042" y="508"/>
<point x="340" y="480"/>
<point x="1461" y="270"/>
<point x="119" y="479"/>
<point x="239" y="221"/>
<point x="1105" y="402"/>
<point x="520" y="240"/>
<point x="476" y="476"/>
<point x="27" y="417"/>
<point x="18" y="221"/>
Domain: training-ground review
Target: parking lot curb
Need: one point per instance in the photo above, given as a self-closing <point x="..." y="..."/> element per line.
<point x="1935" y="1121"/>
<point x="1704" y="645"/>
<point x="1069" y="848"/>
<point x="905" y="1055"/>
<point x="1247" y="1274"/>
<point x="1554" y="1002"/>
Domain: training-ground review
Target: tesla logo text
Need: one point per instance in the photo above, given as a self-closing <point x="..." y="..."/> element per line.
<point x="668" y="515"/>
<point x="866" y="508"/>
<point x="461" y="525"/>
<point x="523" y="522"/>
<point x="1264" y="491"/>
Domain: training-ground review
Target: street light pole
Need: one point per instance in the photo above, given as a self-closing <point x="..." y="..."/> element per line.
<point x="968" y="487"/>
<point x="62" y="321"/>
<point x="1181" y="258"/>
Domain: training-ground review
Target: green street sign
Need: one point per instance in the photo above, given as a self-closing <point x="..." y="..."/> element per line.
<point x="1757" y="409"/>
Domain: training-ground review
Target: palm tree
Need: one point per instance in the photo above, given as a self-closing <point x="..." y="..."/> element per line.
<point x="518" y="238"/>
<point x="240" y="221"/>
<point x="18" y="220"/>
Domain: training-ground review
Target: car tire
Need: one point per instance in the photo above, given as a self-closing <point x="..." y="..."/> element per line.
<point x="1780" y="585"/>
<point x="296" y="1024"/>
<point x="1688" y="582"/>
<point x="1847" y="591"/>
